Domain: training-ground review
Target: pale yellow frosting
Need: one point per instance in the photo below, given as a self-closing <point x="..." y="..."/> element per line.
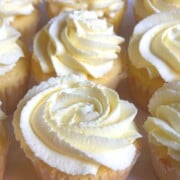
<point x="155" y="45"/>
<point x="145" y="8"/>
<point x="104" y="8"/>
<point x="10" y="51"/>
<point x="163" y="126"/>
<point x="77" y="42"/>
<point x="76" y="126"/>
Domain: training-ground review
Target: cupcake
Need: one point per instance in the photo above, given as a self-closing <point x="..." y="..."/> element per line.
<point x="4" y="142"/>
<point x="112" y="10"/>
<point x="154" y="56"/>
<point x="144" y="8"/>
<point x="78" y="42"/>
<point x="23" y="15"/>
<point x="163" y="129"/>
<point x="72" y="128"/>
<point x="14" y="67"/>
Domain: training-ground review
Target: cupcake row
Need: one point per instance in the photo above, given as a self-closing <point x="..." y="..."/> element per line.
<point x="72" y="128"/>
<point x="71" y="124"/>
<point x="84" y="43"/>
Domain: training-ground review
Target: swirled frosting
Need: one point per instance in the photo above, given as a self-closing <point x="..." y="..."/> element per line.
<point x="147" y="7"/>
<point x="164" y="125"/>
<point x="155" y="45"/>
<point x="76" y="126"/>
<point x="10" y="51"/>
<point x="106" y="8"/>
<point x="77" y="41"/>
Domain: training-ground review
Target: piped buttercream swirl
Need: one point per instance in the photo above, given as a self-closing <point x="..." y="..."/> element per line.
<point x="77" y="41"/>
<point x="76" y="126"/>
<point x="155" y="45"/>
<point x="163" y="126"/>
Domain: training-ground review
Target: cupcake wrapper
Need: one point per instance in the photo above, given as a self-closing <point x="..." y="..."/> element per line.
<point x="140" y="94"/>
<point x="111" y="79"/>
<point x="27" y="25"/>
<point x="3" y="159"/>
<point x="141" y="86"/>
<point x="163" y="166"/>
<point x="137" y="17"/>
<point x="11" y="95"/>
<point x="116" y="20"/>
<point x="4" y="145"/>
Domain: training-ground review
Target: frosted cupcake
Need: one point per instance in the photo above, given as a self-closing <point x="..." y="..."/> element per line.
<point x="72" y="128"/>
<point x="14" y="67"/>
<point x="154" y="56"/>
<point x="112" y="10"/>
<point x="144" y="8"/>
<point x="4" y="142"/>
<point x="163" y="128"/>
<point x="78" y="42"/>
<point x="23" y="15"/>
